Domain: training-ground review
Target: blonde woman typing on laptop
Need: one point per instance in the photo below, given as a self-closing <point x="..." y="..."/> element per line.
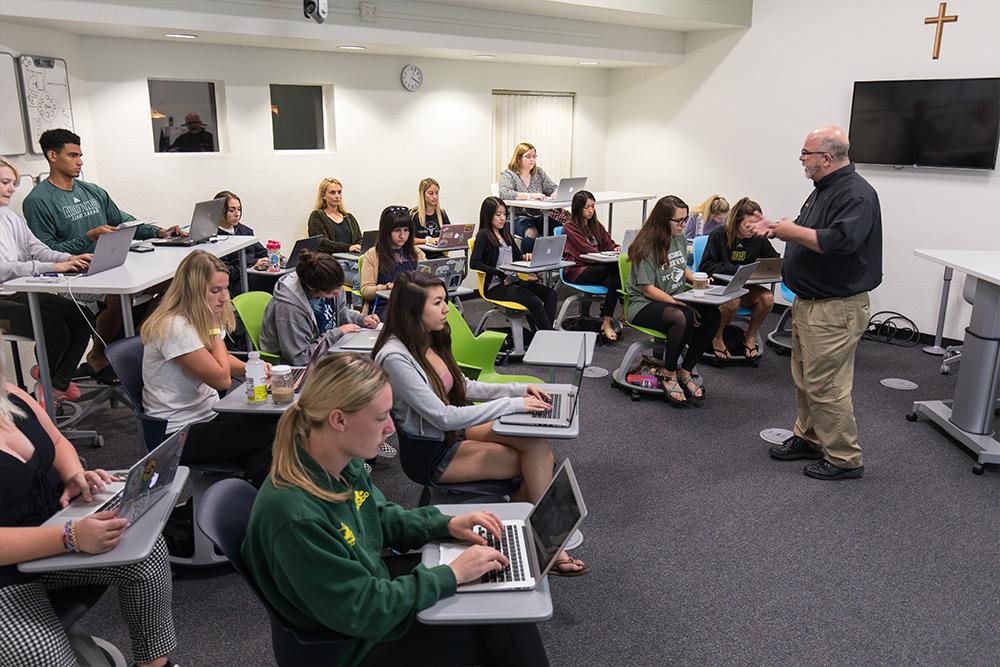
<point x="524" y="179"/>
<point x="340" y="230"/>
<point x="40" y="473"/>
<point x="659" y="270"/>
<point x="67" y="331"/>
<point x="728" y="249"/>
<point x="307" y="305"/>
<point x="319" y="527"/>
<point x="392" y="254"/>
<point x="452" y="438"/>
<point x="185" y="365"/>
<point x="494" y="247"/>
<point x="428" y="216"/>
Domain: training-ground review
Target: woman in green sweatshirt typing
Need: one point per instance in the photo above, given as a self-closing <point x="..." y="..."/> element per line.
<point x="319" y="526"/>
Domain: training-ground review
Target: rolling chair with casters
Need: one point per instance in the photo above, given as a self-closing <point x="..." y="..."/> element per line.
<point x="586" y="295"/>
<point x="953" y="353"/>
<point x="478" y="354"/>
<point x="514" y="313"/>
<point x="251" y="306"/>
<point x="224" y="513"/>
<point x="126" y="358"/>
<point x="781" y="338"/>
<point x="70" y="604"/>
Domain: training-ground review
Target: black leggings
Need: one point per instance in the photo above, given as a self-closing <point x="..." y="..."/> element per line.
<point x="66" y="331"/>
<point x="540" y="300"/>
<point x="607" y="275"/>
<point x="511" y="644"/>
<point x="677" y="322"/>
<point x="233" y="438"/>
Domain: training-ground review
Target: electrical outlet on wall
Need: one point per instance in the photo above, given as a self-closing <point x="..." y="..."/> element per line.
<point x="368" y="11"/>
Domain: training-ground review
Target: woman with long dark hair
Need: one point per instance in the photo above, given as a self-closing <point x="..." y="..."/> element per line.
<point x="585" y="234"/>
<point x="394" y="253"/>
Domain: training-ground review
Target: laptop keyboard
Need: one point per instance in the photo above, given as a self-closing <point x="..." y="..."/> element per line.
<point x="509" y="545"/>
<point x="113" y="503"/>
<point x="552" y="412"/>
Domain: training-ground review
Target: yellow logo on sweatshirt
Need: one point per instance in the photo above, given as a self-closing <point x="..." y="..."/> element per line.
<point x="359" y="498"/>
<point x="348" y="535"/>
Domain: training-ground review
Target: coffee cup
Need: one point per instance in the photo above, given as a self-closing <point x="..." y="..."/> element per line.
<point x="700" y="280"/>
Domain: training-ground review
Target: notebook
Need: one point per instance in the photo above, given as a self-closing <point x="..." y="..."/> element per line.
<point x="564" y="400"/>
<point x="548" y="251"/>
<point x="204" y="224"/>
<point x="532" y="545"/>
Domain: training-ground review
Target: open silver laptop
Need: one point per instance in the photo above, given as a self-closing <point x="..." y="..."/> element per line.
<point x="531" y="545"/>
<point x="111" y="251"/>
<point x="455" y="237"/>
<point x="449" y="269"/>
<point x="735" y="285"/>
<point x="145" y="483"/>
<point x="767" y="269"/>
<point x="565" y="400"/>
<point x="630" y="235"/>
<point x="363" y="340"/>
<point x="204" y="224"/>
<point x="569" y="187"/>
<point x="548" y="251"/>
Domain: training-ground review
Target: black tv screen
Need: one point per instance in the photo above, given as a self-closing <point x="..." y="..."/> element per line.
<point x="926" y="123"/>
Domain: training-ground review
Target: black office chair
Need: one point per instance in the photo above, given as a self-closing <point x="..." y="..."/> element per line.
<point x="223" y="514"/>
<point x="414" y="464"/>
<point x="70" y="605"/>
<point x="125" y="356"/>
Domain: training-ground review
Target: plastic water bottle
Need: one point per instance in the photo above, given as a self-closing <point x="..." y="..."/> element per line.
<point x="256" y="374"/>
<point x="274" y="255"/>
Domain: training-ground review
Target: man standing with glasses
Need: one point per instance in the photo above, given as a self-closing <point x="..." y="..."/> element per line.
<point x="833" y="258"/>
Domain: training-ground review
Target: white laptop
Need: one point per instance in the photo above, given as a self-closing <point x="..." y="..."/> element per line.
<point x="565" y="399"/>
<point x="767" y="269"/>
<point x="451" y="270"/>
<point x="363" y="340"/>
<point x="735" y="285"/>
<point x="531" y="545"/>
<point x="454" y="237"/>
<point x="569" y="187"/>
<point x="144" y="484"/>
<point x="111" y="251"/>
<point x="630" y="235"/>
<point x="204" y="224"/>
<point x="548" y="251"/>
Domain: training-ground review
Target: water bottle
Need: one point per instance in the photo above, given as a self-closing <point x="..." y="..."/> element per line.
<point x="274" y="255"/>
<point x="256" y="383"/>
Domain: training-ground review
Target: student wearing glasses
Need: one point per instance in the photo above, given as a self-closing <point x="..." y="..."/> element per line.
<point x="394" y="253"/>
<point x="707" y="217"/>
<point x="493" y="247"/>
<point x="659" y="270"/>
<point x="524" y="179"/>
<point x="329" y="219"/>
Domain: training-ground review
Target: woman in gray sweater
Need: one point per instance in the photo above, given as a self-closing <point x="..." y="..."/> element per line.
<point x="451" y="440"/>
<point x="67" y="330"/>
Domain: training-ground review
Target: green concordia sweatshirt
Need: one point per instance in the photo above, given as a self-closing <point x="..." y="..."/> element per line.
<point x="318" y="563"/>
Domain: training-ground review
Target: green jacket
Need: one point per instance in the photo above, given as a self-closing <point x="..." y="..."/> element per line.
<point x="318" y="563"/>
<point x="61" y="219"/>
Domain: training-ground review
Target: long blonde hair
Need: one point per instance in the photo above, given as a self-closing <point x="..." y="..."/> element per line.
<point x="4" y="162"/>
<point x="321" y="195"/>
<point x="421" y="209"/>
<point x="346" y="382"/>
<point x="712" y="206"/>
<point x="186" y="298"/>
<point x="519" y="151"/>
<point x="7" y="409"/>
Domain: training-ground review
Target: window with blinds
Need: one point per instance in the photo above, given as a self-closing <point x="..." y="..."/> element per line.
<point x="543" y="119"/>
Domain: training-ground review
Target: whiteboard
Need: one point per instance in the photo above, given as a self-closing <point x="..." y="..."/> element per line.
<point x="45" y="83"/>
<point x="11" y="121"/>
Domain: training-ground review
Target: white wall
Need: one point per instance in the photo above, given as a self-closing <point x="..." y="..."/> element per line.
<point x="732" y="118"/>
<point x="386" y="139"/>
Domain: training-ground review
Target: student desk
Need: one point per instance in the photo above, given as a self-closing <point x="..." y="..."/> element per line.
<point x="487" y="608"/>
<point x="513" y="268"/>
<point x="709" y="299"/>
<point x="350" y="256"/>
<point x="135" y="544"/>
<point x="346" y="338"/>
<point x="139" y="272"/>
<point x="600" y="258"/>
<point x="267" y="272"/>
<point x="464" y="248"/>
<point x="726" y="278"/>
<point x="562" y="349"/>
<point x="236" y="401"/>
<point x="969" y="417"/>
<point x="525" y="431"/>
<point x="609" y="197"/>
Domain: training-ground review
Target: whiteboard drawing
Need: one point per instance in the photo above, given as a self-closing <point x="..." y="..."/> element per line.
<point x="45" y="83"/>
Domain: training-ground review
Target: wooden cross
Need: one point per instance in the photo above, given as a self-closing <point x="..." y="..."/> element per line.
<point x="940" y="19"/>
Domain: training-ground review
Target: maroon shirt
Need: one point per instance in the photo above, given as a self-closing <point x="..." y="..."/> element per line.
<point x="579" y="243"/>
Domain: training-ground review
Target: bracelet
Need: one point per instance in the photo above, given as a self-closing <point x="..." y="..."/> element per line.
<point x="215" y="332"/>
<point x="69" y="538"/>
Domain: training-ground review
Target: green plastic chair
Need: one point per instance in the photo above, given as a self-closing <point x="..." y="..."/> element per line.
<point x="624" y="271"/>
<point x="477" y="354"/>
<point x="250" y="306"/>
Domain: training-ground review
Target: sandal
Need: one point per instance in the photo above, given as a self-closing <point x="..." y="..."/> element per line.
<point x="610" y="333"/>
<point x="692" y="390"/>
<point x="751" y="352"/>
<point x="559" y="572"/>
<point x="673" y="391"/>
<point x="722" y="354"/>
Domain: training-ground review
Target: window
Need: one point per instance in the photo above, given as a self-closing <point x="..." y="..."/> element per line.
<point x="297" y="117"/>
<point x="184" y="116"/>
<point x="544" y="120"/>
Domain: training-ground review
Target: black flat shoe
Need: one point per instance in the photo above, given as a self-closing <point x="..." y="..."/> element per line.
<point x="795" y="448"/>
<point x="827" y="471"/>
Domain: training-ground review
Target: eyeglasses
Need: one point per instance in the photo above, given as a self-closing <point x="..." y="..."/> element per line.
<point x="678" y="221"/>
<point x="804" y="153"/>
<point x="530" y="157"/>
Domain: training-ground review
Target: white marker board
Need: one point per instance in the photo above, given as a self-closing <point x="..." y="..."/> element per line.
<point x="45" y="83"/>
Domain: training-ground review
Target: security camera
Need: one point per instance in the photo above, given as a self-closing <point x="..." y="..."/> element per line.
<point x="315" y="9"/>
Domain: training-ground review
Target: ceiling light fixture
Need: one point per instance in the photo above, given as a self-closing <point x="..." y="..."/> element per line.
<point x="484" y="56"/>
<point x="181" y="35"/>
<point x="352" y="47"/>
<point x="589" y="62"/>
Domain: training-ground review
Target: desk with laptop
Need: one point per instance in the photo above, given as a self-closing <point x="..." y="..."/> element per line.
<point x="451" y="271"/>
<point x="611" y="256"/>
<point x="368" y="240"/>
<point x="546" y="257"/>
<point x="720" y="294"/>
<point x="562" y="197"/>
<point x="310" y="243"/>
<point x="768" y="272"/>
<point x="453" y="238"/>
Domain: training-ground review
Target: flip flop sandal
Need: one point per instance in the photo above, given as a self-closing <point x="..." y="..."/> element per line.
<point x="722" y="354"/>
<point x="748" y="349"/>
<point x="671" y="388"/>
<point x="686" y="386"/>
<point x="569" y="573"/>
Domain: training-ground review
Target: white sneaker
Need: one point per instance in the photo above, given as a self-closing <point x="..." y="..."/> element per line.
<point x="387" y="451"/>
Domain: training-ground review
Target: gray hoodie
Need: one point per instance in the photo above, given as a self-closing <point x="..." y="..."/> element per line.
<point x="289" y="328"/>
<point x="419" y="412"/>
<point x="21" y="253"/>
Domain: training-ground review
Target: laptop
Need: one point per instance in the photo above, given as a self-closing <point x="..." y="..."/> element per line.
<point x="449" y="269"/>
<point x="533" y="544"/>
<point x="311" y="244"/>
<point x="144" y="484"/>
<point x="111" y="251"/>
<point x="735" y="285"/>
<point x="455" y="237"/>
<point x="548" y="251"/>
<point x="565" y="400"/>
<point x="569" y="187"/>
<point x="204" y="224"/>
<point x="630" y="235"/>
<point x="368" y="240"/>
<point x="768" y="269"/>
<point x="363" y="341"/>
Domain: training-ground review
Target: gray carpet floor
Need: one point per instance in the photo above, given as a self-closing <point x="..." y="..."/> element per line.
<point x="704" y="550"/>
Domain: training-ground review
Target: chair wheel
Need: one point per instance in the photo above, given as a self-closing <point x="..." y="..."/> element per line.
<point x="978" y="469"/>
<point x="635" y="396"/>
<point x="755" y="363"/>
<point x="911" y="416"/>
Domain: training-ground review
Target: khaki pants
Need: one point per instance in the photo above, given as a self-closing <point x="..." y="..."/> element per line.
<point x="825" y="335"/>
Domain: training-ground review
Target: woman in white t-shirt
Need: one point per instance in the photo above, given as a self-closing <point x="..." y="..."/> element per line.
<point x="186" y="365"/>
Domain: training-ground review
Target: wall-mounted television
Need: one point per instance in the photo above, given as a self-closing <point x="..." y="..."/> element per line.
<point x="926" y="123"/>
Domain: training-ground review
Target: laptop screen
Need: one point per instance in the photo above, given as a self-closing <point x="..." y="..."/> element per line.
<point x="556" y="515"/>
